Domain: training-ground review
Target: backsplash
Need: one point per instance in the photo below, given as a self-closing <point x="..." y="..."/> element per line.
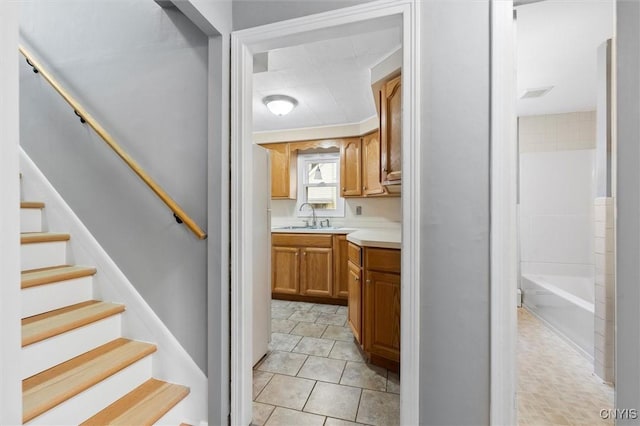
<point x="376" y="213"/>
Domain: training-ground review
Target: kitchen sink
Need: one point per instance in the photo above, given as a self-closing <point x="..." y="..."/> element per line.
<point x="311" y="228"/>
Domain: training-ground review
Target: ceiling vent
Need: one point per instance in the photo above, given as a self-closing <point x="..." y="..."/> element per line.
<point x="536" y="93"/>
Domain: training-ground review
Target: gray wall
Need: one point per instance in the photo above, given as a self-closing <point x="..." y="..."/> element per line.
<point x="455" y="324"/>
<point x="142" y="72"/>
<point x="628" y="207"/>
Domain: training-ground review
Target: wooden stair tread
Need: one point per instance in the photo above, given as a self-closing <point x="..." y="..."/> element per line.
<point x="49" y="324"/>
<point x="52" y="387"/>
<point x="56" y="274"/>
<point x="31" y="205"/>
<point x="144" y="405"/>
<point x="43" y="237"/>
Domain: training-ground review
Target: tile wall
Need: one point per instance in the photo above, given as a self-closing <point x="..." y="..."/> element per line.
<point x="604" y="332"/>
<point x="557" y="189"/>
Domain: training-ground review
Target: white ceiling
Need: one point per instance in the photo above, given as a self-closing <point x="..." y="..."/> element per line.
<point x="329" y="78"/>
<point x="557" y="41"/>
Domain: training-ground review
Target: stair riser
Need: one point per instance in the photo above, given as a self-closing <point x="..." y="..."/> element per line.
<point x="87" y="403"/>
<point x="176" y="415"/>
<point x="55" y="350"/>
<point x="43" y="255"/>
<point x="47" y="297"/>
<point x="30" y="220"/>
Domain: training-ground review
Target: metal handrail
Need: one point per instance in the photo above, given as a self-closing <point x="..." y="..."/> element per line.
<point x="180" y="215"/>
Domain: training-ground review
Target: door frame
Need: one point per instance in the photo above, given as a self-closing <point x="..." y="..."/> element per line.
<point x="266" y="37"/>
<point x="504" y="261"/>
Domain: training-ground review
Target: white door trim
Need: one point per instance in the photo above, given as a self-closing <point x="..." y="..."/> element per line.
<point x="503" y="215"/>
<point x="270" y="36"/>
<point x="10" y="309"/>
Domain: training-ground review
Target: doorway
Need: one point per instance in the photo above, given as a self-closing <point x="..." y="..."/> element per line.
<point x="566" y="281"/>
<point x="244" y="45"/>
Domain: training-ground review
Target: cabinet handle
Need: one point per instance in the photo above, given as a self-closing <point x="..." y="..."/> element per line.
<point x="368" y="281"/>
<point x="305" y="253"/>
<point x="357" y="278"/>
<point x="343" y="189"/>
<point x="384" y="170"/>
<point x="296" y="254"/>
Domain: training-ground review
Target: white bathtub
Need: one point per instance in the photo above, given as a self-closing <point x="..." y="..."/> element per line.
<point x="566" y="303"/>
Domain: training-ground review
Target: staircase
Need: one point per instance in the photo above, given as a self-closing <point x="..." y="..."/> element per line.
<point x="76" y="366"/>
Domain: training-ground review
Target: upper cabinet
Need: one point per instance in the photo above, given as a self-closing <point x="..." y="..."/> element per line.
<point x="371" y="165"/>
<point x="391" y="131"/>
<point x="350" y="167"/>
<point x="283" y="171"/>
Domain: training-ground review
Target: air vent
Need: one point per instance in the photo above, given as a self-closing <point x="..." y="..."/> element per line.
<point x="536" y="93"/>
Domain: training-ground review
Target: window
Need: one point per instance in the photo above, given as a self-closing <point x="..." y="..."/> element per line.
<point x="318" y="183"/>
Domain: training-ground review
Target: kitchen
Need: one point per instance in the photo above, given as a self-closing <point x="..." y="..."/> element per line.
<point x="327" y="128"/>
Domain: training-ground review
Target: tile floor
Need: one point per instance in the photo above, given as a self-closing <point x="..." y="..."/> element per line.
<point x="315" y="375"/>
<point x="556" y="384"/>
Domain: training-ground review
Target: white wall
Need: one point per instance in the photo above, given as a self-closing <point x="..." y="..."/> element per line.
<point x="376" y="213"/>
<point x="557" y="191"/>
<point x="628" y="207"/>
<point x="142" y="72"/>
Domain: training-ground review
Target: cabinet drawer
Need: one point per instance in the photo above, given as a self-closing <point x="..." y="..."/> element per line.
<point x="383" y="260"/>
<point x="302" y="240"/>
<point x="355" y="254"/>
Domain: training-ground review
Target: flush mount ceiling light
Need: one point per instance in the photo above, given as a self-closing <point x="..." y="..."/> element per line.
<point x="280" y="104"/>
<point x="536" y="93"/>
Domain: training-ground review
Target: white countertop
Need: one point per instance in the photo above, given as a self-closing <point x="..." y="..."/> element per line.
<point x="364" y="237"/>
<point x="382" y="238"/>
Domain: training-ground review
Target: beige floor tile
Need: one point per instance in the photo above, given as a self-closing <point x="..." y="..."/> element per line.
<point x="302" y="306"/>
<point x="261" y="413"/>
<point x="309" y="329"/>
<point x="285" y="417"/>
<point x="275" y="303"/>
<point x="324" y="369"/>
<point x="305" y="316"/>
<point x="282" y="325"/>
<point x="348" y="351"/>
<point x="282" y="313"/>
<point x="327" y="309"/>
<point x="393" y="382"/>
<point x="260" y="380"/>
<point x="337" y="332"/>
<point x="283" y="363"/>
<point x="338" y="422"/>
<point x="283" y="342"/>
<point x="332" y="319"/>
<point x="379" y="408"/>
<point x="332" y="400"/>
<point x="343" y="310"/>
<point x="314" y="346"/>
<point x="285" y="391"/>
<point x="364" y="376"/>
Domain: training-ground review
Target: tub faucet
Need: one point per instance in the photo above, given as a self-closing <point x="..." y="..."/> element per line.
<point x="313" y="210"/>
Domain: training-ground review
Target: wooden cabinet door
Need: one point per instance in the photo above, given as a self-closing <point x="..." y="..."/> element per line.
<point x="391" y="129"/>
<point x="381" y="323"/>
<point x="350" y="168"/>
<point x="354" y="317"/>
<point x="371" y="165"/>
<point x="341" y="271"/>
<point x="285" y="272"/>
<point x="283" y="174"/>
<point x="317" y="272"/>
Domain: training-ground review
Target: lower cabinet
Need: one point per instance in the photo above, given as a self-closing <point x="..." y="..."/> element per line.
<point x="285" y="270"/>
<point x="381" y="302"/>
<point x="374" y="306"/>
<point x="354" y="317"/>
<point x="309" y="266"/>
<point x="316" y="278"/>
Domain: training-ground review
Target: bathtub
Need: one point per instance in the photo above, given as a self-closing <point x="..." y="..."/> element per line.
<point x="566" y="303"/>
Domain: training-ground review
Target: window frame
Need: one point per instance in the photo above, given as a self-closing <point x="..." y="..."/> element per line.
<point x="303" y="159"/>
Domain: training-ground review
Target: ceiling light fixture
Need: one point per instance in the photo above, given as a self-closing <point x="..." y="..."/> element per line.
<point x="280" y="104"/>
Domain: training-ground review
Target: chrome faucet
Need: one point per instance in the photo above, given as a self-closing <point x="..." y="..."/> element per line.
<point x="313" y="209"/>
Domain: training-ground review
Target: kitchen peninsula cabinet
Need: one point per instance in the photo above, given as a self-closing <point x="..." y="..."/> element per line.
<point x="374" y="306"/>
